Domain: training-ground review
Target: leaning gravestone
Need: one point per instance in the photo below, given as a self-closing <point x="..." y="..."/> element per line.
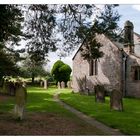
<point x="45" y="84"/>
<point x="116" y="102"/>
<point x="58" y="85"/>
<point x="69" y="84"/>
<point x="99" y="94"/>
<point x="20" y="99"/>
<point x="62" y="84"/>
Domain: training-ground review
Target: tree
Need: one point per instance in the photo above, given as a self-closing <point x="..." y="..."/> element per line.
<point x="61" y="71"/>
<point x="70" y="24"/>
<point x="78" y="25"/>
<point x="10" y="23"/>
<point x="10" y="33"/>
<point x="45" y="26"/>
<point x="39" y="30"/>
<point x="7" y="66"/>
<point x="32" y="68"/>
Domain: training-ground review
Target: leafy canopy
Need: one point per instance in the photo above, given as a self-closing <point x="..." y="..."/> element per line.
<point x="10" y="33"/>
<point x="68" y="25"/>
<point x="61" y="71"/>
<point x="48" y="26"/>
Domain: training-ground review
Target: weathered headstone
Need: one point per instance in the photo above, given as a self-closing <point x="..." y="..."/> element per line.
<point x="116" y="102"/>
<point x="41" y="83"/>
<point x="45" y="84"/>
<point x="99" y="94"/>
<point x="62" y="84"/>
<point x="58" y="85"/>
<point x="6" y="87"/>
<point x="69" y="84"/>
<point x="12" y="88"/>
<point x="20" y="100"/>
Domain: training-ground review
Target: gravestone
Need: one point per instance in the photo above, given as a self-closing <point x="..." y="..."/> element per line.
<point x="99" y="94"/>
<point x="58" y="85"/>
<point x="69" y="84"/>
<point x="116" y="102"/>
<point x="11" y="88"/>
<point x="20" y="100"/>
<point x="45" y="84"/>
<point x="41" y="83"/>
<point x="6" y="87"/>
<point x="62" y="84"/>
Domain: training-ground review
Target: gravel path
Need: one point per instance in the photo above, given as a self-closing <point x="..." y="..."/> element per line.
<point x="107" y="130"/>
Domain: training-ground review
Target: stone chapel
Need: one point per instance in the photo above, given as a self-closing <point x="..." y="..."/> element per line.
<point x="119" y="68"/>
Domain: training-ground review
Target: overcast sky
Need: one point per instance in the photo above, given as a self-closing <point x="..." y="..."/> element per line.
<point x="127" y="12"/>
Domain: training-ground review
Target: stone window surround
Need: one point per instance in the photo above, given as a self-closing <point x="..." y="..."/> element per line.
<point x="93" y="67"/>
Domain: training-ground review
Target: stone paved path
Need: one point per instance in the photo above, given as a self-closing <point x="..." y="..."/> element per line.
<point x="107" y="130"/>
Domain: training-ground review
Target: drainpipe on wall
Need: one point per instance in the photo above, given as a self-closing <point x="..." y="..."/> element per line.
<point x="124" y="68"/>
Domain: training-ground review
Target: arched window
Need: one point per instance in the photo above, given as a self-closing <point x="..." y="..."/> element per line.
<point x="137" y="73"/>
<point x="93" y="67"/>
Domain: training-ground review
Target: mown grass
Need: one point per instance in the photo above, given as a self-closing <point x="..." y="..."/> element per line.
<point x="127" y="121"/>
<point x="41" y="100"/>
<point x="38" y="100"/>
<point x="6" y="105"/>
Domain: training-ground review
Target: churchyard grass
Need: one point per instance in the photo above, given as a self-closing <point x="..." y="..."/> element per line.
<point x="38" y="100"/>
<point x="41" y="100"/>
<point x="127" y="121"/>
<point x="6" y="105"/>
<point x="43" y="116"/>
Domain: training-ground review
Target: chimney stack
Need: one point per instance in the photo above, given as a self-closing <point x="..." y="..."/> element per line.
<point x="128" y="37"/>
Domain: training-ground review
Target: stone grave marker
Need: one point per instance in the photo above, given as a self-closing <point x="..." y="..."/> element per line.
<point x="62" y="84"/>
<point x="45" y="84"/>
<point x="41" y="83"/>
<point x="99" y="94"/>
<point x="69" y="84"/>
<point x="116" y="102"/>
<point x="6" y="87"/>
<point x="58" y="85"/>
<point x="20" y="100"/>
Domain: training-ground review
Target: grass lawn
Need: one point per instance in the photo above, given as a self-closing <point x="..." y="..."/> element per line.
<point x="127" y="122"/>
<point x="43" y="116"/>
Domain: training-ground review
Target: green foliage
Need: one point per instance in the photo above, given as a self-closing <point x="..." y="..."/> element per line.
<point x="32" y="68"/>
<point x="10" y="33"/>
<point x="61" y="71"/>
<point x="40" y="24"/>
<point x="108" y="21"/>
<point x="105" y="24"/>
<point x="127" y="121"/>
<point x="10" y="23"/>
<point x="7" y="66"/>
<point x="45" y="24"/>
<point x="77" y="26"/>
